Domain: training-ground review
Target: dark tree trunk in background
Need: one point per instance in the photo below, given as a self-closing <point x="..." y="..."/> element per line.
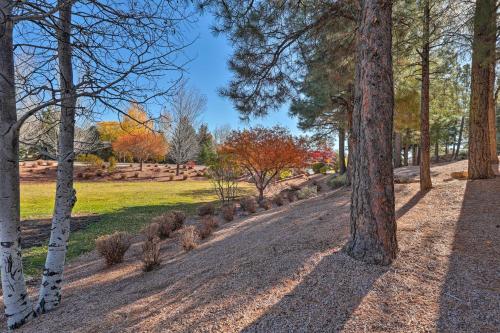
<point x="425" y="141"/>
<point x="342" y="167"/>
<point x="50" y="289"/>
<point x="483" y="57"/>
<point x="177" y="169"/>
<point x="419" y="153"/>
<point x="373" y="224"/>
<point x="397" y="150"/>
<point x="436" y="152"/>
<point x="460" y="133"/>
<point x="405" y="155"/>
<point x="414" y="160"/>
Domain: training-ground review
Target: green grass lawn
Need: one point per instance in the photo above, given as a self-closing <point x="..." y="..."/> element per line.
<point x="122" y="206"/>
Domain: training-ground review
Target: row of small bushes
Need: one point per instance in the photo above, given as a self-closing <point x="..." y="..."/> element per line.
<point x="113" y="247"/>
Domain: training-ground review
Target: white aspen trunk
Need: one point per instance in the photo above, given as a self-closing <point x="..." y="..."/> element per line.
<point x="18" y="308"/>
<point x="50" y="290"/>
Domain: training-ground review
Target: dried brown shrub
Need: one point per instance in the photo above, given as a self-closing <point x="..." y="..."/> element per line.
<point x="291" y="196"/>
<point x="179" y="218"/>
<point x="266" y="204"/>
<point x="278" y="200"/>
<point x="249" y="204"/>
<point x="151" y="230"/>
<point x="228" y="211"/>
<point x="188" y="238"/>
<point x="151" y="254"/>
<point x="113" y="247"/>
<point x="207" y="226"/>
<point x="206" y="209"/>
<point x="166" y="224"/>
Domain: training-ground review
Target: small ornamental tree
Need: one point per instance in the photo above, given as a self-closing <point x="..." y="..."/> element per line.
<point x="141" y="146"/>
<point x="224" y="173"/>
<point x="264" y="152"/>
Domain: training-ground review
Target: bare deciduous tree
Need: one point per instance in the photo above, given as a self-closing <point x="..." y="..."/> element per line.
<point x="187" y="107"/>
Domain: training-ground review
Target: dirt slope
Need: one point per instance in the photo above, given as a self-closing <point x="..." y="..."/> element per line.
<point x="282" y="271"/>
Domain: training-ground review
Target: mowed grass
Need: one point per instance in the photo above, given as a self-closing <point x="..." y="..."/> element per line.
<point x="121" y="206"/>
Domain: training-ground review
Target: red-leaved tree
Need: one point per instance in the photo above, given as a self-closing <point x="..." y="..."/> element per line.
<point x="142" y="146"/>
<point x="264" y="152"/>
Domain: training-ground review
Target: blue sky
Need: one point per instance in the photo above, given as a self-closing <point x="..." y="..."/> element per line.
<point x="208" y="72"/>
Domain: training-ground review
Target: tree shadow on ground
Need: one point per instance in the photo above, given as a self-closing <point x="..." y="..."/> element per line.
<point x="83" y="234"/>
<point x="245" y="263"/>
<point x="410" y="204"/>
<point x="36" y="232"/>
<point x="326" y="298"/>
<point x="470" y="297"/>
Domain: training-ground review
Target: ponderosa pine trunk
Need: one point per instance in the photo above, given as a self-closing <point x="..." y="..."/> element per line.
<point x="373" y="225"/>
<point x="425" y="140"/>
<point x="483" y="57"/>
<point x="492" y="128"/>
<point x="397" y="150"/>
<point x="460" y="133"/>
<point x="50" y="289"/>
<point x="342" y="166"/>
<point x="18" y="307"/>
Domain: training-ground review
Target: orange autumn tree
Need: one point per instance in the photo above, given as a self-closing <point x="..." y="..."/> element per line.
<point x="264" y="152"/>
<point x="141" y="146"/>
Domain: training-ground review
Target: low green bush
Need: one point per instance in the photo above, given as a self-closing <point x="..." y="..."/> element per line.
<point x="337" y="181"/>
<point x="317" y="167"/>
<point x="325" y="168"/>
<point x="307" y="192"/>
<point x="93" y="160"/>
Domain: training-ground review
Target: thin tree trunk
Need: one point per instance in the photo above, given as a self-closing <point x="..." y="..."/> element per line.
<point x="342" y="167"/>
<point x="397" y="150"/>
<point x="177" y="170"/>
<point x="492" y="128"/>
<point x="405" y="155"/>
<point x="414" y="160"/>
<point x="425" y="141"/>
<point x="141" y="165"/>
<point x="418" y="155"/>
<point x="483" y="57"/>
<point x="436" y="151"/>
<point x="460" y="133"/>
<point x="18" y="307"/>
<point x="50" y="290"/>
<point x="373" y="225"/>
